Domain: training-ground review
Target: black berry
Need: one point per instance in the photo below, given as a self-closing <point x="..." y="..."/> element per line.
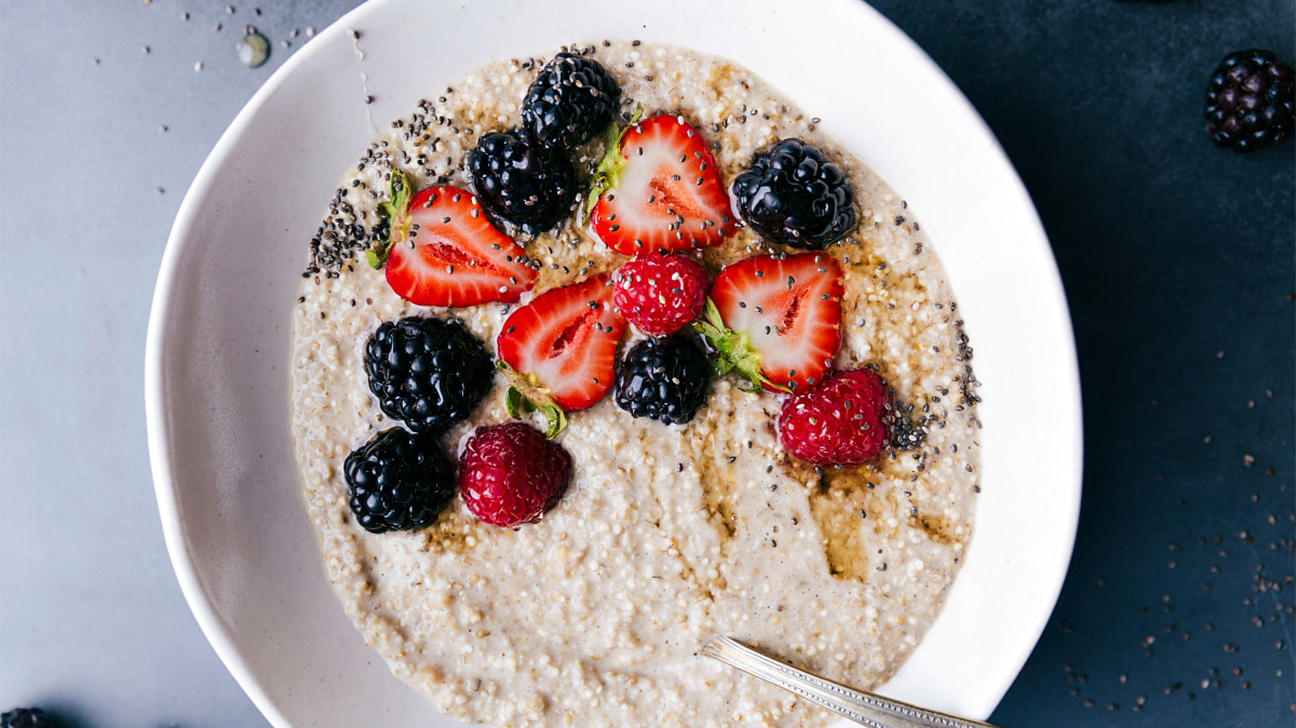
<point x="1249" y="101"/>
<point x="792" y="195"/>
<point x="523" y="183"/>
<point x="427" y="372"/>
<point x="399" y="481"/>
<point x="25" y="718"/>
<point x="665" y="379"/>
<point x="571" y="100"/>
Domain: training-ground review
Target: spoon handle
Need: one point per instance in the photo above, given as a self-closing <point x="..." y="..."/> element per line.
<point x="863" y="708"/>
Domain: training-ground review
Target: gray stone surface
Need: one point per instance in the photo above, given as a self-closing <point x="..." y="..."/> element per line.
<point x="1178" y="259"/>
<point x="94" y="160"/>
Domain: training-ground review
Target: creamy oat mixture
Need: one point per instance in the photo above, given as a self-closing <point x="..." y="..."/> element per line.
<point x="669" y="534"/>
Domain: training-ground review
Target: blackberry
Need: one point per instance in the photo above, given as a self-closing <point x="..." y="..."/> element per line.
<point x="792" y="195"/>
<point x="571" y="100"/>
<point x="521" y="182"/>
<point x="665" y="379"/>
<point x="399" y="481"/>
<point x="427" y="372"/>
<point x="1249" y="101"/>
<point x="25" y="718"/>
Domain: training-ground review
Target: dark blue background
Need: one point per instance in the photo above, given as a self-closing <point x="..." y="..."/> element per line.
<point x="1179" y="261"/>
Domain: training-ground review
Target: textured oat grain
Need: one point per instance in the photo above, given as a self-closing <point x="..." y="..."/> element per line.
<point x="669" y="535"/>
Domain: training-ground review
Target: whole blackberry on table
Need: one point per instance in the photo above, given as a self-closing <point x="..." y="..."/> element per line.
<point x="792" y="195"/>
<point x="1249" y="102"/>
<point x="571" y="100"/>
<point x="664" y="379"/>
<point x="25" y="718"/>
<point x="427" y="372"/>
<point x="522" y="182"/>
<point x="398" y="481"/>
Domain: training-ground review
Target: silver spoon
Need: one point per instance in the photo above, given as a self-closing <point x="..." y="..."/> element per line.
<point x="864" y="708"/>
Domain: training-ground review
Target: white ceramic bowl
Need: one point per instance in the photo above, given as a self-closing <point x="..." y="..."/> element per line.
<point x="217" y="358"/>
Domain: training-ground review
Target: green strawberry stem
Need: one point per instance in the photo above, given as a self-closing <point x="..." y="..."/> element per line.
<point x="396" y="210"/>
<point x="608" y="173"/>
<point x="733" y="351"/>
<point x="526" y="395"/>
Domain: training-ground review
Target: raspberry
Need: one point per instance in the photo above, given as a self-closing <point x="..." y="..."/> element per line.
<point x="1249" y="102"/>
<point x="846" y="420"/>
<point x="510" y="474"/>
<point x="660" y="293"/>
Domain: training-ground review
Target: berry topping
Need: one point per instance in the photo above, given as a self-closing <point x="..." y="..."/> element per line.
<point x="665" y="379"/>
<point x="443" y="251"/>
<point x="660" y="293"/>
<point x="571" y="100"/>
<point x="776" y="319"/>
<point x="522" y="183"/>
<point x="399" y="481"/>
<point x="793" y="195"/>
<point x="658" y="189"/>
<point x="561" y="349"/>
<point x="510" y="474"/>
<point x="427" y="372"/>
<point x="843" y="421"/>
<point x="1249" y="102"/>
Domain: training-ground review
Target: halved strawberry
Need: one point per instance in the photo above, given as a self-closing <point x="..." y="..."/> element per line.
<point x="658" y="189"/>
<point x="777" y="319"/>
<point x="444" y="252"/>
<point x="560" y="349"/>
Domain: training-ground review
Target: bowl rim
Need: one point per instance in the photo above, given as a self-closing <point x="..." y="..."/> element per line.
<point x="200" y="602"/>
<point x="158" y="416"/>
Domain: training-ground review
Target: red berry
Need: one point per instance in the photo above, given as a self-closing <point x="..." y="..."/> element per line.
<point x="566" y="339"/>
<point x="442" y="250"/>
<point x="777" y="318"/>
<point x="510" y="474"/>
<point x="660" y="293"/>
<point x="843" y="421"/>
<point x="660" y="189"/>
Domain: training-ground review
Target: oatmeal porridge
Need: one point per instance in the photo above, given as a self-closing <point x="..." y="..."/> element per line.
<point x="668" y="534"/>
